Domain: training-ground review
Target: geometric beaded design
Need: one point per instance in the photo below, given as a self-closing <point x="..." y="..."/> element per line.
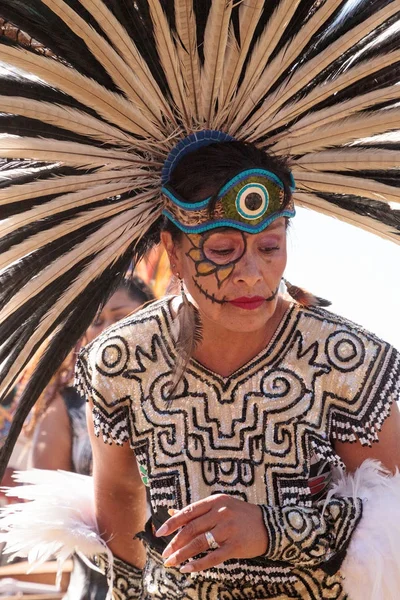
<point x="256" y="434"/>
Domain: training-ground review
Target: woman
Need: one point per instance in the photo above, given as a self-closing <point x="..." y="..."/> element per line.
<point x="61" y="438"/>
<point x="227" y="449"/>
<point x="121" y="96"/>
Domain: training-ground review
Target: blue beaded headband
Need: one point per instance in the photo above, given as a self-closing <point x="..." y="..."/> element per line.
<point x="250" y="201"/>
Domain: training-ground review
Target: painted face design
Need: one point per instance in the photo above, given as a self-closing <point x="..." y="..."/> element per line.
<point x="212" y="255"/>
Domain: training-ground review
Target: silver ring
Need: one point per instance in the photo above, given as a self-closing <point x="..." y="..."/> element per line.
<point x="212" y="543"/>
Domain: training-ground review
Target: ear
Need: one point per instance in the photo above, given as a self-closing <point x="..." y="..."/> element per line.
<point x="172" y="250"/>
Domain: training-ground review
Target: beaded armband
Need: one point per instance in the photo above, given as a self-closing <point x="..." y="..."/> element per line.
<point x="124" y="579"/>
<point x="307" y="537"/>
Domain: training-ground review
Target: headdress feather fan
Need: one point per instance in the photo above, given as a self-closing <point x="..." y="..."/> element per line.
<point x="95" y="94"/>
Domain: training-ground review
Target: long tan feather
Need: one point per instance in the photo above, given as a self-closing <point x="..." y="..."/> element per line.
<point x="187" y="52"/>
<point x="237" y="50"/>
<point x="345" y="184"/>
<point x="111" y="241"/>
<point x="339" y="111"/>
<point x="169" y="58"/>
<point x="215" y="42"/>
<point x="67" y="202"/>
<point x="85" y="218"/>
<point x="341" y="132"/>
<point x="328" y="90"/>
<point x="70" y="153"/>
<point x="66" y="118"/>
<point x="251" y="92"/>
<point x="113" y="107"/>
<point x="361" y="222"/>
<point x="263" y="49"/>
<point x="120" y="72"/>
<point x="62" y="185"/>
<point x="306" y="73"/>
<point x="132" y="57"/>
<point x="351" y="159"/>
<point x="130" y="223"/>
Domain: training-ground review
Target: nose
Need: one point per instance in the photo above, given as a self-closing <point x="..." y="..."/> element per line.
<point x="248" y="270"/>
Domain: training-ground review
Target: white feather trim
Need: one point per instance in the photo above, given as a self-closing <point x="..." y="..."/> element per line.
<point x="371" y="569"/>
<point x="57" y="522"/>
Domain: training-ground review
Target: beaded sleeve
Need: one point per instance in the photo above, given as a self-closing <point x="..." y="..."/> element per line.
<point x="124" y="579"/>
<point x="309" y="537"/>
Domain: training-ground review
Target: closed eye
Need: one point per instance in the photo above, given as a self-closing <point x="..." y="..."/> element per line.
<point x="269" y="249"/>
<point x="220" y="251"/>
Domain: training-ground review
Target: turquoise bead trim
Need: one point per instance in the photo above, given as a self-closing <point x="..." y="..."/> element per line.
<point x="247" y="228"/>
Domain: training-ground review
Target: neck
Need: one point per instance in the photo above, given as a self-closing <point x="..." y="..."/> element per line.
<point x="224" y="351"/>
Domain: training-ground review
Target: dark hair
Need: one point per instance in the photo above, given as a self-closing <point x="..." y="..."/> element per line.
<point x="136" y="289"/>
<point x="205" y="171"/>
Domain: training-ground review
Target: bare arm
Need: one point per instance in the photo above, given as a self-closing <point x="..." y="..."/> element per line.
<point x="387" y="450"/>
<point x="120" y="497"/>
<point x="52" y="442"/>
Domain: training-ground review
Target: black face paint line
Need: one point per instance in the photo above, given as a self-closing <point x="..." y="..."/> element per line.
<point x="206" y="266"/>
<point x="210" y="297"/>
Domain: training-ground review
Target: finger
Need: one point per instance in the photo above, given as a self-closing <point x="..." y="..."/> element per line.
<point x="184" y="516"/>
<point x="189" y="532"/>
<point x="212" y="559"/>
<point x="197" y="545"/>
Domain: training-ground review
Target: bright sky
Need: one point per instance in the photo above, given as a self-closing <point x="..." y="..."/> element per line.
<point x="357" y="271"/>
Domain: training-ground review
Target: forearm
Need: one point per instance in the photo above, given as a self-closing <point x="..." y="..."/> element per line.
<point x="121" y="514"/>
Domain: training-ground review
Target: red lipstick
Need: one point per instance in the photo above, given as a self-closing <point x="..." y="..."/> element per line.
<point x="248" y="302"/>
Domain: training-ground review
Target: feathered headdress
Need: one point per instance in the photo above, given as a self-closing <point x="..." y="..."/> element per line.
<point x="95" y="94"/>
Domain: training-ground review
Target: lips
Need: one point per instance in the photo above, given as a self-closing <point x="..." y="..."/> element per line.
<point x="248" y="302"/>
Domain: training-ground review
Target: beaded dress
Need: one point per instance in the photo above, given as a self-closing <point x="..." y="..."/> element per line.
<point x="262" y="434"/>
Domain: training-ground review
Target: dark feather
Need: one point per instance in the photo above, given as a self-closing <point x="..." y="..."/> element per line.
<point x="304" y="297"/>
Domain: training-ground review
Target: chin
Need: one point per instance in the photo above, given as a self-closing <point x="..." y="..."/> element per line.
<point x="244" y="321"/>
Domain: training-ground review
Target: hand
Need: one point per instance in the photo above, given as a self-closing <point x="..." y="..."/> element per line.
<point x="237" y="527"/>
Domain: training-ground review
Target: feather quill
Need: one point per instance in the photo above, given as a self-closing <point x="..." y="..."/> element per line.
<point x="263" y="50"/>
<point x="215" y="43"/>
<point x="66" y="118"/>
<point x="129" y="52"/>
<point x="187" y="52"/>
<point x="345" y="184"/>
<point x="339" y="111"/>
<point x="340" y="133"/>
<point x="122" y="75"/>
<point x="169" y="58"/>
<point x="251" y="94"/>
<point x="111" y="106"/>
<point x="306" y="73"/>
<point x="237" y="50"/>
<point x="351" y="159"/>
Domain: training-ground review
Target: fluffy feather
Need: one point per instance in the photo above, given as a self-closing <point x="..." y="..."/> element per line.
<point x="55" y="520"/>
<point x="371" y="568"/>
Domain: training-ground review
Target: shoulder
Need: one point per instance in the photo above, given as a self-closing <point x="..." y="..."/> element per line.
<point x="358" y="372"/>
<point x="122" y="339"/>
<point x="344" y="342"/>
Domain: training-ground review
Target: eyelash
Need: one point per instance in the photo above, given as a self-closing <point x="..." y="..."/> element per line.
<point x="222" y="252"/>
<point x="269" y="249"/>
